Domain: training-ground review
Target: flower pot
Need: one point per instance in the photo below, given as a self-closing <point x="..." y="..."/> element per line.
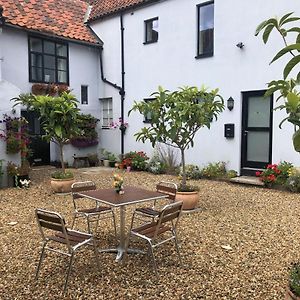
<point x="17" y="178"/>
<point x="189" y="199"/>
<point x="290" y="295"/>
<point x="128" y="168"/>
<point x="106" y="163"/>
<point x="112" y="164"/>
<point x="62" y="185"/>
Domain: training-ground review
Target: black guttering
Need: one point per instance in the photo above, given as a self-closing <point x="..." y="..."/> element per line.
<point x="2" y="19"/>
<point x="122" y="91"/>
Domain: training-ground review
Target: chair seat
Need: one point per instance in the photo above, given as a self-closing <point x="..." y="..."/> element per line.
<point x="148" y="211"/>
<point x="148" y="229"/>
<point x="94" y="210"/>
<point x="74" y="237"/>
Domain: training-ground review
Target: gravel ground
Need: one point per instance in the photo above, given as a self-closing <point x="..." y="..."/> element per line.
<point x="260" y="225"/>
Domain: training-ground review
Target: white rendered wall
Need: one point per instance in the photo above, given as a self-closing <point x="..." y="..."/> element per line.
<point x="171" y="63"/>
<point x="84" y="69"/>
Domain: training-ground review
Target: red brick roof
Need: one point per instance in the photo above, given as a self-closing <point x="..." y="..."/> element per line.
<point x="64" y="18"/>
<point x="103" y="8"/>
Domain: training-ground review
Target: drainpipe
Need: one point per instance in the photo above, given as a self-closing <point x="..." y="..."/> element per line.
<point x="2" y="21"/>
<point x="122" y="91"/>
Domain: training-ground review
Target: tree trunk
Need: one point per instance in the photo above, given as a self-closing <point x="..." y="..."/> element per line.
<point x="183" y="180"/>
<point x="61" y="154"/>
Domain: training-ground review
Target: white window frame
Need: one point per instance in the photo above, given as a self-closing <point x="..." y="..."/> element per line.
<point x="106" y="112"/>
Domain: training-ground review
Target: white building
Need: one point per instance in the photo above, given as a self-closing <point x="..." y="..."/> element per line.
<point x="171" y="43"/>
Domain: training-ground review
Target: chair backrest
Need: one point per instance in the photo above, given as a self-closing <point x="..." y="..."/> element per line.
<point x="169" y="214"/>
<point x="81" y="186"/>
<point x="167" y="188"/>
<point x="51" y="222"/>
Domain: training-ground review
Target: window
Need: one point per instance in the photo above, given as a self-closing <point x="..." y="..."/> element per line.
<point x="148" y="116"/>
<point x="107" y="112"/>
<point x="205" y="45"/>
<point x="48" y="61"/>
<point x="151" y="31"/>
<point x="84" y="94"/>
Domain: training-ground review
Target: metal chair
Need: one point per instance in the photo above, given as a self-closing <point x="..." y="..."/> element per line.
<point x="160" y="231"/>
<point x="91" y="214"/>
<point x="164" y="187"/>
<point x="54" y="231"/>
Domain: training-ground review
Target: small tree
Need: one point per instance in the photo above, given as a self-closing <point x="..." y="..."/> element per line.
<point x="59" y="117"/>
<point x="286" y="87"/>
<point x="177" y="116"/>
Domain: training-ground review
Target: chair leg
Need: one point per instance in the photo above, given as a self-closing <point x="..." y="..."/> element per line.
<point x="88" y="224"/>
<point x="69" y="271"/>
<point x="153" y="259"/>
<point x="114" y="224"/>
<point x="177" y="250"/>
<point x="40" y="261"/>
<point x="97" y="224"/>
<point x="73" y="222"/>
<point x="96" y="253"/>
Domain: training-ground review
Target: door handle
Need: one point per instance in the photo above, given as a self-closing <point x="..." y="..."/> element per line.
<point x="245" y="132"/>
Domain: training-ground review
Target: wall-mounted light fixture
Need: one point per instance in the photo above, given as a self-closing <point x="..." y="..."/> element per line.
<point x="230" y="103"/>
<point x="240" y="45"/>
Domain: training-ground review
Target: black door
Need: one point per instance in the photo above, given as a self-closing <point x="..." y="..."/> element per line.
<point x="40" y="148"/>
<point x="256" y="132"/>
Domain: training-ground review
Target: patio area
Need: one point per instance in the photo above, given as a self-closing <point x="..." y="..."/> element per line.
<point x="239" y="245"/>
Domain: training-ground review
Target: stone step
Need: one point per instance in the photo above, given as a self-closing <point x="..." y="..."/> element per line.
<point x="247" y="180"/>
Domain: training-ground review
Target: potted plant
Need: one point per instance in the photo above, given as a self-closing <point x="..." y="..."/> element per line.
<point x="18" y="173"/>
<point x="293" y="288"/>
<point x="112" y="160"/>
<point x="60" y="121"/>
<point x="93" y="159"/>
<point x="176" y="117"/>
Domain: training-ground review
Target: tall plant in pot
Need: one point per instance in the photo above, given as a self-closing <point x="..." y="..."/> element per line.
<point x="60" y="121"/>
<point x="176" y="117"/>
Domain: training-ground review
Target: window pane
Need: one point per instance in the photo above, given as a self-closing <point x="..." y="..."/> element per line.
<point x="49" y="62"/>
<point x="258" y="112"/>
<point x="151" y="31"/>
<point x="62" y="77"/>
<point x="206" y="29"/>
<point x="49" y="75"/>
<point x="61" y="50"/>
<point x="258" y="146"/>
<point x="36" y="74"/>
<point x="36" y="60"/>
<point x="49" y="47"/>
<point x="36" y="45"/>
<point x="61" y="64"/>
<point x="84" y="94"/>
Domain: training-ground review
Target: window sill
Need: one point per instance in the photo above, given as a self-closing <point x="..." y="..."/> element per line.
<point x="204" y="55"/>
<point x="147" y="122"/>
<point x="150" y="42"/>
<point x="105" y="128"/>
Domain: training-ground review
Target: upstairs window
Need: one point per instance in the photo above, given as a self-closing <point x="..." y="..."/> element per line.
<point x="205" y="45"/>
<point x="84" y="94"/>
<point x="107" y="112"/>
<point x="151" y="31"/>
<point x="48" y="61"/>
<point x="148" y="116"/>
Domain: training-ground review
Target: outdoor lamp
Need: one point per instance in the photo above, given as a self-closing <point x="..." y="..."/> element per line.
<point x="230" y="103"/>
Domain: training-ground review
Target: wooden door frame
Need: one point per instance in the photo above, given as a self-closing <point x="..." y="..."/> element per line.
<point x="245" y="98"/>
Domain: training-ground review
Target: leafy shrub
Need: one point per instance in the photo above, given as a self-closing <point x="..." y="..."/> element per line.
<point x="155" y="166"/>
<point x="294" y="281"/>
<point x="187" y="188"/>
<point x="293" y="182"/>
<point x="275" y="174"/>
<point x="168" y="156"/>
<point x="192" y="172"/>
<point x="214" y="170"/>
<point x="62" y="175"/>
<point x="137" y="160"/>
<point x="231" y="174"/>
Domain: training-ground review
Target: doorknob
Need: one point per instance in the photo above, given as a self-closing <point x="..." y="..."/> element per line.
<point x="245" y="132"/>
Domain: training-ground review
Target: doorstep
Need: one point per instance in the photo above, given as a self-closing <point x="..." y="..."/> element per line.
<point x="247" y="180"/>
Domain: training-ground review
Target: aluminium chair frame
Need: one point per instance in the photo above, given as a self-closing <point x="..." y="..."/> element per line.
<point x="83" y="186"/>
<point x="150" y="232"/>
<point x="72" y="239"/>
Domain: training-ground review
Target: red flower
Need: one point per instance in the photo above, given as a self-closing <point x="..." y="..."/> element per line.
<point x="258" y="173"/>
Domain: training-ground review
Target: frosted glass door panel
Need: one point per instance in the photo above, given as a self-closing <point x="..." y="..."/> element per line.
<point x="258" y="112"/>
<point x="258" y="146"/>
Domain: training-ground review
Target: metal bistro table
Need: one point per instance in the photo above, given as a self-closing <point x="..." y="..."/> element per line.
<point x="132" y="195"/>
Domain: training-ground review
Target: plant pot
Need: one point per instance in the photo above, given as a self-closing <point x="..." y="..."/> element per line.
<point x="62" y="185"/>
<point x="112" y="164"/>
<point x="106" y="163"/>
<point x="189" y="199"/>
<point x="290" y="295"/>
<point x="128" y="168"/>
<point x="17" y="178"/>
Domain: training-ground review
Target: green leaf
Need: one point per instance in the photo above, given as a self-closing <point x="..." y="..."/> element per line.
<point x="284" y="18"/>
<point x="286" y="50"/>
<point x="290" y="65"/>
<point x="290" y="20"/>
<point x="267" y="33"/>
<point x="293" y="100"/>
<point x="296" y="140"/>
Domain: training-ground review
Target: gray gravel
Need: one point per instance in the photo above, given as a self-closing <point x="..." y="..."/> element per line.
<point x="261" y="226"/>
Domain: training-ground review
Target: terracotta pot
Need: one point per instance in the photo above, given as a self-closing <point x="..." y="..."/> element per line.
<point x="62" y="185"/>
<point x="290" y="295"/>
<point x="189" y="199"/>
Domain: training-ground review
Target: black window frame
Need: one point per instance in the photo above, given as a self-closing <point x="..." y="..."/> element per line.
<point x="211" y="53"/>
<point x="146" y="119"/>
<point x="146" y="42"/>
<point x="84" y="100"/>
<point x="43" y="53"/>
